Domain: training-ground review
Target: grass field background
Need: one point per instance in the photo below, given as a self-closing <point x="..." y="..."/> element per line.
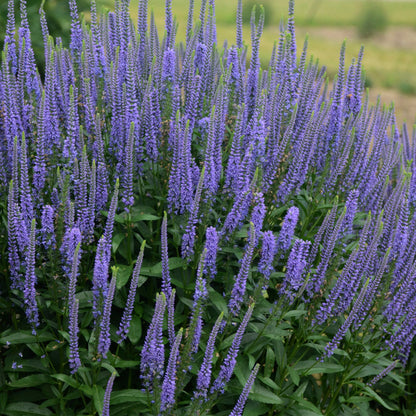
<point x="389" y="60"/>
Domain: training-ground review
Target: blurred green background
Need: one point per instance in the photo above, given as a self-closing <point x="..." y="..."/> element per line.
<point x="387" y="29"/>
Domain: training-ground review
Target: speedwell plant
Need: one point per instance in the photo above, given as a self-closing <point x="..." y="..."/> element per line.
<point x="186" y="233"/>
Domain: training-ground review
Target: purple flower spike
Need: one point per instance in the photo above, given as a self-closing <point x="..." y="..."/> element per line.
<point x="188" y="239"/>
<point x="239" y="24"/>
<point x="200" y="296"/>
<point x="258" y="214"/>
<point x="9" y="39"/>
<point x="288" y="229"/>
<point x="201" y="292"/>
<point x="169" y="23"/>
<point x="239" y="407"/>
<point x="70" y="241"/>
<point x="295" y="268"/>
<point x="153" y="352"/>
<point x="386" y="371"/>
<point x="100" y="277"/>
<point x="74" y="360"/>
<point x="108" y="232"/>
<point x="204" y="374"/>
<point x="239" y="289"/>
<point x="238" y="212"/>
<point x="123" y="329"/>
<point x="268" y="252"/>
<point x="73" y="305"/>
<point x="167" y="396"/>
<point x="351" y="205"/>
<point x="104" y="339"/>
<point x="26" y="203"/>
<point x="107" y="394"/>
<point x="76" y="31"/>
<point x="227" y="367"/>
<point x="169" y="65"/>
<point x="47" y="231"/>
<point x="211" y="246"/>
<point x="252" y="76"/>
<point x="353" y="316"/>
<point x="181" y="189"/>
<point x="127" y="178"/>
<point x="29" y="291"/>
<point x="166" y="285"/>
<point x="12" y="236"/>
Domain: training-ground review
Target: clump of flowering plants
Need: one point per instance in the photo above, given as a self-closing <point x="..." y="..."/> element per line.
<point x="186" y="233"/>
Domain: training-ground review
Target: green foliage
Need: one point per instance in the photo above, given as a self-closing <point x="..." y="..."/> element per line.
<point x="57" y="15"/>
<point x="294" y="379"/>
<point x="249" y="5"/>
<point x="372" y="19"/>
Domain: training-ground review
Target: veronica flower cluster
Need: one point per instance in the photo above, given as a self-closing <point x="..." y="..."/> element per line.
<point x="261" y="183"/>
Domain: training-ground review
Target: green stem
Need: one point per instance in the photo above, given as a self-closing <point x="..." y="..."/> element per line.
<point x="129" y="237"/>
<point x="334" y="397"/>
<point x="266" y="324"/>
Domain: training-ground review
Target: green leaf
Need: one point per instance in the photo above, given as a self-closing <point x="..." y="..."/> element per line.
<point x="84" y="298"/>
<point x="358" y="399"/>
<point x="65" y="335"/>
<point x="125" y="363"/>
<point x="24" y="337"/>
<point x="30" y="381"/>
<point x="188" y="302"/>
<point x="156" y="270"/>
<point x="66" y="379"/>
<point x="293" y="375"/>
<point x="301" y="390"/>
<point x="316" y="367"/>
<point x="241" y="371"/>
<point x="273" y="333"/>
<point x="36" y="348"/>
<point x="269" y="363"/>
<point x="110" y="368"/>
<point x="135" y="330"/>
<point x="130" y="409"/>
<point x="218" y="300"/>
<point x="128" y="395"/>
<point x="318" y="347"/>
<point x="375" y="396"/>
<point x="123" y="275"/>
<point x="305" y="412"/>
<point x="306" y="405"/>
<point x="86" y="390"/>
<point x="55" y="345"/>
<point x="255" y="409"/>
<point x="268" y="382"/>
<point x="98" y="398"/>
<point x="142" y="280"/>
<point x="119" y="218"/>
<point x="26" y="409"/>
<point x="3" y="400"/>
<point x="280" y="353"/>
<point x="139" y="216"/>
<point x="363" y="371"/>
<point x="117" y="240"/>
<point x="295" y="313"/>
<point x="32" y="366"/>
<point x="262" y="395"/>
